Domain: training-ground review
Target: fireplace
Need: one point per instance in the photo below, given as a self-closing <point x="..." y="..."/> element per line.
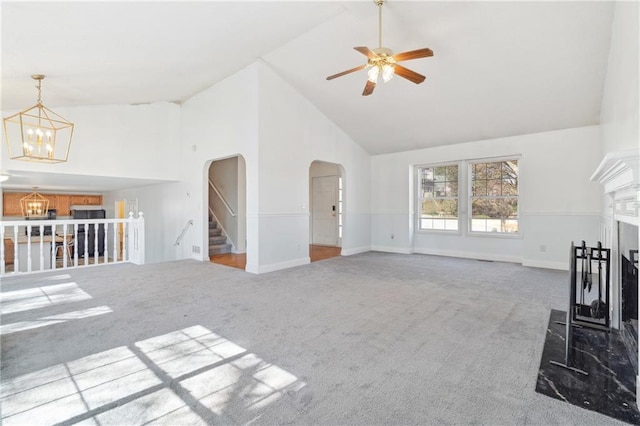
<point x="619" y="173"/>
<point x="628" y="249"/>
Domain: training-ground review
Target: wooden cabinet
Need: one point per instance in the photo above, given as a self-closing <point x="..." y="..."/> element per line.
<point x="11" y="203"/>
<point x="61" y="202"/>
<point x="86" y="200"/>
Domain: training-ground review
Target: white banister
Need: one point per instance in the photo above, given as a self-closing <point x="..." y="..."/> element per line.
<point x="37" y="245"/>
<point x="229" y="209"/>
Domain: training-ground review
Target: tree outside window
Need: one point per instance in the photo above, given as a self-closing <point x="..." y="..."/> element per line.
<point x="494" y="197"/>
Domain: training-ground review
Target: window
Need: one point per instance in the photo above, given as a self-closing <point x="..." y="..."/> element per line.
<point x="494" y="196"/>
<point x="438" y="197"/>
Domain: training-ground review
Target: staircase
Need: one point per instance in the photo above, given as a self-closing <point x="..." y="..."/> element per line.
<point x="217" y="240"/>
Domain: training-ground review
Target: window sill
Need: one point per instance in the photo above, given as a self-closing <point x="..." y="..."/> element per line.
<point x="439" y="231"/>
<point x="508" y="236"/>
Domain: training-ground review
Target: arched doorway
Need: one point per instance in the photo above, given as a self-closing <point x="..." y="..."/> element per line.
<point x="326" y="207"/>
<point x="226" y="209"/>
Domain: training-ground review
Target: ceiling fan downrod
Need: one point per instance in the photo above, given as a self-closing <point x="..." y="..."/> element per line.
<point x="379" y="3"/>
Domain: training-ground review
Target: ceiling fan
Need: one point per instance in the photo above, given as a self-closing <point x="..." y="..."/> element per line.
<point x="383" y="61"/>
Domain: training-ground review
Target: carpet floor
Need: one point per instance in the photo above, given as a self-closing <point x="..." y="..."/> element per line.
<point x="369" y="339"/>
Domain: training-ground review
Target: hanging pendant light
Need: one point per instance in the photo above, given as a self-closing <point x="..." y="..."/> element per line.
<point x="34" y="204"/>
<point x="37" y="133"/>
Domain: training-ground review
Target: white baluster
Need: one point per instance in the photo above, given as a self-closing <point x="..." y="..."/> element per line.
<point x="41" y="247"/>
<point x="28" y="248"/>
<point x="16" y="257"/>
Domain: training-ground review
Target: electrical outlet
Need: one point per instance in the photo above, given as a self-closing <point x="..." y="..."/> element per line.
<point x="392" y="236"/>
<point x="195" y="249"/>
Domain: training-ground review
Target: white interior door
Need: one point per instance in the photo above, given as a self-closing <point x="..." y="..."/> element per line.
<point x="324" y="213"/>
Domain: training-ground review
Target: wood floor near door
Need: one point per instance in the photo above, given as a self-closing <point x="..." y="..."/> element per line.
<point x="323" y="252"/>
<point x="230" y="259"/>
<point x="240" y="260"/>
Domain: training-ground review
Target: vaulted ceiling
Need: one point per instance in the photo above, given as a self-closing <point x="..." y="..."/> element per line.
<point x="499" y="69"/>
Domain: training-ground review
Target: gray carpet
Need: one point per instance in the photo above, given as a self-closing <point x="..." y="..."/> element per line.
<point x="368" y="339"/>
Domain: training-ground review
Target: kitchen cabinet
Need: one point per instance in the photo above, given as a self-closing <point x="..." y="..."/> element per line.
<point x="86" y="200"/>
<point x="11" y="203"/>
<point x="61" y="202"/>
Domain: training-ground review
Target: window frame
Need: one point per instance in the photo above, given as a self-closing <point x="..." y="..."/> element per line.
<point x="470" y="197"/>
<point x="459" y="198"/>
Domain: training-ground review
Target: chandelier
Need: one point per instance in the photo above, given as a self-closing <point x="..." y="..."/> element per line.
<point x="34" y="204"/>
<point x="37" y="133"/>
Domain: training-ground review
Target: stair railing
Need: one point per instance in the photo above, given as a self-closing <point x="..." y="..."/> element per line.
<point x="183" y="233"/>
<point x="219" y="224"/>
<point x="231" y="212"/>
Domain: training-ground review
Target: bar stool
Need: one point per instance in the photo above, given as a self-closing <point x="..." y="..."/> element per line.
<point x="59" y="250"/>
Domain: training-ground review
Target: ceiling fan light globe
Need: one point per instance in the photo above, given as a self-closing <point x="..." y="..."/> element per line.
<point x="387" y="72"/>
<point x="373" y="74"/>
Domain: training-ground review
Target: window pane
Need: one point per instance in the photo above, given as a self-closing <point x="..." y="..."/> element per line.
<point x="502" y="208"/>
<point x="510" y="169"/>
<point x="430" y="208"/>
<point x="510" y="187"/>
<point x="452" y="189"/>
<point x="510" y="225"/>
<point x="438" y="192"/>
<point x="494" y="170"/>
<point x="479" y="171"/>
<point x="439" y="208"/>
<point x="451" y="224"/>
<point x="426" y="223"/>
<point x="479" y="188"/>
<point x="494" y="187"/>
<point x="452" y="173"/>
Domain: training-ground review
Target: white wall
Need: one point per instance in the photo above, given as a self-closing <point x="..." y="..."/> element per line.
<point x="162" y="206"/>
<point x="293" y="133"/>
<point x="138" y="141"/>
<point x="217" y="123"/>
<point x="620" y="114"/>
<point x="254" y="113"/>
<point x="558" y="203"/>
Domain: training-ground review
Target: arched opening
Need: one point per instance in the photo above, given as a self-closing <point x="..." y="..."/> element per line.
<point x="326" y="207"/>
<point x="227" y="212"/>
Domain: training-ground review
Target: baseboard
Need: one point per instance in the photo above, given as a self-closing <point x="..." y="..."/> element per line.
<point x="263" y="269"/>
<point x="469" y="255"/>
<point x="388" y="249"/>
<point x="357" y="250"/>
<point x="547" y="264"/>
<point x="234" y="251"/>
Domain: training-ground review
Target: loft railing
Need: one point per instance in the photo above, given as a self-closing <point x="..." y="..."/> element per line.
<point x="44" y="245"/>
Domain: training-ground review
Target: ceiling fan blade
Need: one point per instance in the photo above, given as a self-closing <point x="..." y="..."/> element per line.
<point x="413" y="54"/>
<point x="368" y="88"/>
<point x="340" y="74"/>
<point x="367" y="52"/>
<point x="408" y="74"/>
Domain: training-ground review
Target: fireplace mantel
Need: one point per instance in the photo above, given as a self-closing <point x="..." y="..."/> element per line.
<point x="619" y="173"/>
